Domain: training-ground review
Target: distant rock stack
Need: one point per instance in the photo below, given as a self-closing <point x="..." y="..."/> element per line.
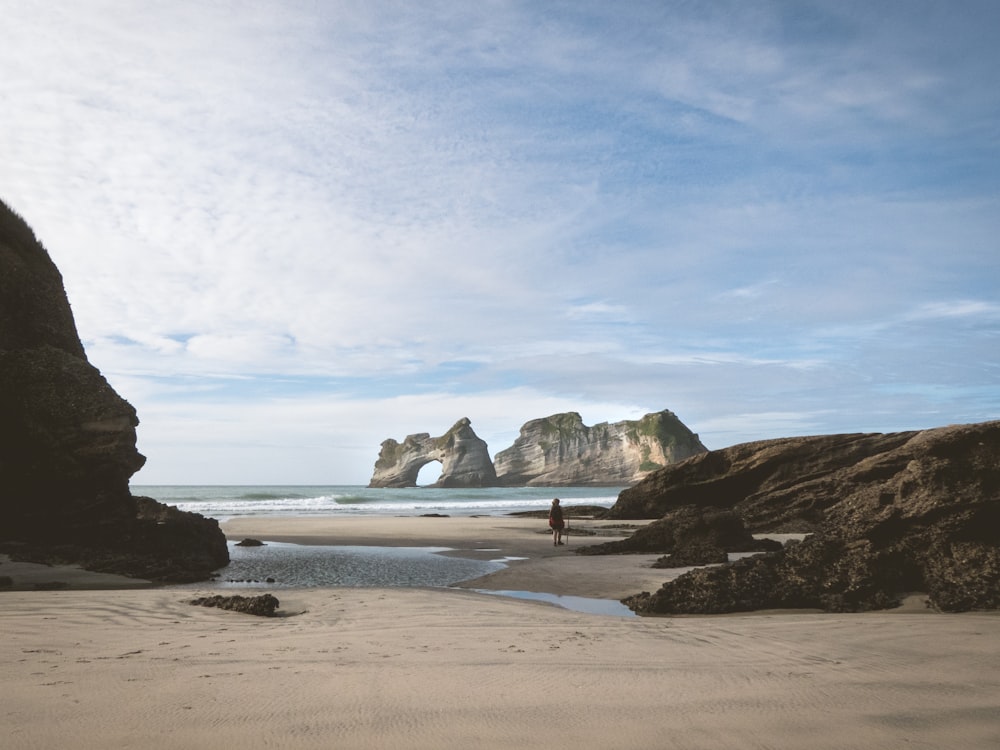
<point x="557" y="451"/>
<point x="464" y="457"/>
<point x="67" y="440"/>
<point x="562" y="451"/>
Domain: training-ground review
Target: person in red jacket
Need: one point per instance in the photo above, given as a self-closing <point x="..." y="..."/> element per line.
<point x="556" y="522"/>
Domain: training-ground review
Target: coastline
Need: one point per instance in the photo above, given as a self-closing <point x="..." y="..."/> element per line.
<point x="532" y="562"/>
<point x="449" y="668"/>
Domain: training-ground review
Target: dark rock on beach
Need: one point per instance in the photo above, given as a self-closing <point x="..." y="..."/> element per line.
<point x="68" y="441"/>
<point x="250" y="543"/>
<point x="694" y="554"/>
<point x="264" y="605"/>
<point x="686" y="528"/>
<point x="890" y="514"/>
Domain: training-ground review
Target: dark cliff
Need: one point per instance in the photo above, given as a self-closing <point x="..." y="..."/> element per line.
<point x="888" y="514"/>
<point x="68" y="440"/>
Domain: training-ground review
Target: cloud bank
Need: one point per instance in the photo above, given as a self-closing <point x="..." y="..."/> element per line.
<point x="290" y="230"/>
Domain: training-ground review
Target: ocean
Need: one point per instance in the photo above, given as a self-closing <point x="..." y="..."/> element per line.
<point x="285" y="566"/>
<point x="223" y="502"/>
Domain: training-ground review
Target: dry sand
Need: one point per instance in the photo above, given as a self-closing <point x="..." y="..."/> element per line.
<point x="414" y="668"/>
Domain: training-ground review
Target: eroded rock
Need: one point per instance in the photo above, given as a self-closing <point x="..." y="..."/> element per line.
<point x="68" y="441"/>
<point x="891" y="514"/>
<point x="463" y="455"/>
<point x="264" y="605"/>
<point x="561" y="450"/>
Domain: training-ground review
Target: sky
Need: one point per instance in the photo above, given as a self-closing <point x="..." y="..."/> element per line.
<point x="290" y="230"/>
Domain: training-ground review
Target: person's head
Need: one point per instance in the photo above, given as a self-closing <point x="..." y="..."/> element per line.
<point x="556" y="501"/>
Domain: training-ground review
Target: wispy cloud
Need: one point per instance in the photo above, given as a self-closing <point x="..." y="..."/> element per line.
<point x="769" y="217"/>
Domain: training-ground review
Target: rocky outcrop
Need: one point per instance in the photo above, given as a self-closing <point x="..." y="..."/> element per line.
<point x="265" y="605"/>
<point x="775" y="485"/>
<point x="562" y="451"/>
<point x="689" y="535"/>
<point x="68" y="441"/>
<point x="464" y="457"/>
<point x="890" y="514"/>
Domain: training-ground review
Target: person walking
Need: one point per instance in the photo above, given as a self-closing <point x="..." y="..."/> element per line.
<point x="556" y="522"/>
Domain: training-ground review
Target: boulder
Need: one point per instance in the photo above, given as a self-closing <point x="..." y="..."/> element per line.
<point x="464" y="457"/>
<point x="561" y="450"/>
<point x="264" y="605"/>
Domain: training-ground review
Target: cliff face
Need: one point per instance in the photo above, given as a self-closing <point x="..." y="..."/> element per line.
<point x="911" y="511"/>
<point x="464" y="457"/>
<point x="67" y="440"/>
<point x="562" y="451"/>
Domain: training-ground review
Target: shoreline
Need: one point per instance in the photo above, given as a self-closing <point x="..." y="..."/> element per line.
<point x="532" y="562"/>
<point x="449" y="668"/>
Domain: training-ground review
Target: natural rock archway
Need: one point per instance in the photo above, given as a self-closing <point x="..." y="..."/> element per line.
<point x="465" y="459"/>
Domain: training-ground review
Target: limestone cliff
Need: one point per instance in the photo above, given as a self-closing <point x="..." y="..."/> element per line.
<point x="67" y="440"/>
<point x="463" y="455"/>
<point x="889" y="514"/>
<point x="562" y="451"/>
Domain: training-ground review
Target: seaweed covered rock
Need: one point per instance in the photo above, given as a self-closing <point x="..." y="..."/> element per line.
<point x="264" y="605"/>
<point x="815" y="574"/>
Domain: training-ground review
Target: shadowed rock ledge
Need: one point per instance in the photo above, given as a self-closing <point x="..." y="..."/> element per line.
<point x="889" y="514"/>
<point x="67" y="441"/>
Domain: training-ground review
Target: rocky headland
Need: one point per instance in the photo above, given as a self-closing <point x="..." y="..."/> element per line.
<point x="68" y="441"/>
<point x="886" y="514"/>
<point x="555" y="451"/>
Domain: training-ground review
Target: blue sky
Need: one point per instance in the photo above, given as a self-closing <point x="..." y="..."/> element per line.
<point x="291" y="230"/>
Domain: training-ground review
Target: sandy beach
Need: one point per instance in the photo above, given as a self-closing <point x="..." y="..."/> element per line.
<point x="449" y="668"/>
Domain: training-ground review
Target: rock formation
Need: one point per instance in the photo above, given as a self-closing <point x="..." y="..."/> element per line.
<point x="265" y="605"/>
<point x="890" y="514"/>
<point x="463" y="455"/>
<point x="689" y="535"/>
<point x="562" y="451"/>
<point x="67" y="440"/>
<point x="557" y="451"/>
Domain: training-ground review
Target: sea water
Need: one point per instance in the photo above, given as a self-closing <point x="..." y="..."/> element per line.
<point x="223" y="502"/>
<point x="282" y="565"/>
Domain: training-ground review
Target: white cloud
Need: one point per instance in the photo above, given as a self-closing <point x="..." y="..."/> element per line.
<point x="297" y="209"/>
